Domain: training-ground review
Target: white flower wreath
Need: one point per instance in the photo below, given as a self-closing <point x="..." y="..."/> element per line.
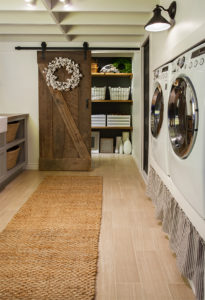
<point x="70" y="66"/>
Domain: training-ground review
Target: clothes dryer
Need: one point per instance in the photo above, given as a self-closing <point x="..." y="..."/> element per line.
<point x="159" y="122"/>
<point x="186" y="123"/>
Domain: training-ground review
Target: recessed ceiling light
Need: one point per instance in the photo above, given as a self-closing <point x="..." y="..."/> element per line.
<point x="67" y="3"/>
<point x="30" y="3"/>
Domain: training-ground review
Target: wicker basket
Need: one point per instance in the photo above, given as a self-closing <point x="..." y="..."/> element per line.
<point x="98" y="93"/>
<point x="11" y="131"/>
<point x="12" y="156"/>
<point x="119" y="93"/>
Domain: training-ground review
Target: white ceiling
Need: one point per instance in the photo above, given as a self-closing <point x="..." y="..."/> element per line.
<point x="84" y="20"/>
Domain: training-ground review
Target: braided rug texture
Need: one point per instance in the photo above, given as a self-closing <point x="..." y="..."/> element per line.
<point x="49" y="249"/>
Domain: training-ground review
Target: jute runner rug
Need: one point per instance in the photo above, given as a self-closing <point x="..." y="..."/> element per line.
<point x="49" y="250"/>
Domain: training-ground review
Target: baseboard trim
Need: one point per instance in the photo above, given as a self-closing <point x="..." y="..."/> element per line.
<point x="32" y="166"/>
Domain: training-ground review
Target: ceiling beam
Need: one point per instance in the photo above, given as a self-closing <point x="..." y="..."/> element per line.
<point x="102" y="18"/>
<point x="25" y="17"/>
<point x="105" y="38"/>
<point x="32" y="38"/>
<point x="30" y="29"/>
<point x="104" y="30"/>
<point x="107" y="5"/>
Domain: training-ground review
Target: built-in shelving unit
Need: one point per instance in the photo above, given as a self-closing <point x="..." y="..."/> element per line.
<point x="111" y="107"/>
<point x="21" y="141"/>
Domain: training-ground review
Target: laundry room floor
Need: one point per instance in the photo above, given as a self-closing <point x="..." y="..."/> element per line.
<point x="135" y="261"/>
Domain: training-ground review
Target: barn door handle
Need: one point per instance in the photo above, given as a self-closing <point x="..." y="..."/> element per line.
<point x="87" y="103"/>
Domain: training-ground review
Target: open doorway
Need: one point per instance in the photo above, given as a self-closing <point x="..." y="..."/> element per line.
<point x="111" y="119"/>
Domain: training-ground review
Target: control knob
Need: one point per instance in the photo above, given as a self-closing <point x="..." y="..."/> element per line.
<point x="201" y="62"/>
<point x="190" y="65"/>
<point x="181" y="62"/>
<point x="195" y="63"/>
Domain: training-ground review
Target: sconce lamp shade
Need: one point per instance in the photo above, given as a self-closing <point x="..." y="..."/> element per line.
<point x="157" y="22"/>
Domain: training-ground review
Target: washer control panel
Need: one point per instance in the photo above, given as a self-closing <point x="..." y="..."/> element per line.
<point x="193" y="59"/>
<point x="161" y="73"/>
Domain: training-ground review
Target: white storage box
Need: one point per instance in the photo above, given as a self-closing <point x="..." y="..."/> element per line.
<point x="118" y="120"/>
<point x="119" y="93"/>
<point x="98" y="93"/>
<point x="98" y="120"/>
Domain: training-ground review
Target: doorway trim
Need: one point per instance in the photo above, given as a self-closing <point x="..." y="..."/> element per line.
<point x="144" y="174"/>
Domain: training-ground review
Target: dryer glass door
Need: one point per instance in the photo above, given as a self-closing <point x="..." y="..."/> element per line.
<point x="157" y="110"/>
<point x="183" y="116"/>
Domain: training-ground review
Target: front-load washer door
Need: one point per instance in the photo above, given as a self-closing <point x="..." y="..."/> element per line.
<point x="157" y="110"/>
<point x="182" y="117"/>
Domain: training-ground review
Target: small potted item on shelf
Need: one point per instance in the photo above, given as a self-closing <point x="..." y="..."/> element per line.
<point x="124" y="65"/>
<point x="109" y="69"/>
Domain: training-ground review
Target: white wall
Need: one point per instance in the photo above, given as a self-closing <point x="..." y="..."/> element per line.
<point x="187" y="31"/>
<point x="19" y="91"/>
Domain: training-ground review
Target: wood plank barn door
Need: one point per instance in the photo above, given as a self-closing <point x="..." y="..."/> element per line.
<point x="64" y="117"/>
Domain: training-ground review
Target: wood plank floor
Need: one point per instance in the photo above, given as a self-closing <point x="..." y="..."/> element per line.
<point x="135" y="262"/>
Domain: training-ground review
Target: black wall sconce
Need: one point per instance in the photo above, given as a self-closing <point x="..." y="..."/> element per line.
<point x="159" y="23"/>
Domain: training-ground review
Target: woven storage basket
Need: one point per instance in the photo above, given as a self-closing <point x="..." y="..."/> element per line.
<point x="11" y="131"/>
<point x="12" y="156"/>
<point x="98" y="93"/>
<point x="119" y="93"/>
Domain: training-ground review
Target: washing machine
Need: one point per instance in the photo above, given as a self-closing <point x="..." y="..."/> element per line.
<point x="159" y="121"/>
<point x="186" y="124"/>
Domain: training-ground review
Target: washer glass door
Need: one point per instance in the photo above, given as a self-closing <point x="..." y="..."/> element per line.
<point x="157" y="110"/>
<point x="183" y="116"/>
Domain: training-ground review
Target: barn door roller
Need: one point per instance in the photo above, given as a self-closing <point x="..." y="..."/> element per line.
<point x="43" y="46"/>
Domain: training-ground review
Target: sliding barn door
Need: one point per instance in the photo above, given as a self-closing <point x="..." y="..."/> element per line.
<point x="64" y="117"/>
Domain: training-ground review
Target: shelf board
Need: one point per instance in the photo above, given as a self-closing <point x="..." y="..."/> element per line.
<point x="19" y="166"/>
<point x="108" y="128"/>
<point x="112" y="101"/>
<point x="112" y="74"/>
<point x="14" y="143"/>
